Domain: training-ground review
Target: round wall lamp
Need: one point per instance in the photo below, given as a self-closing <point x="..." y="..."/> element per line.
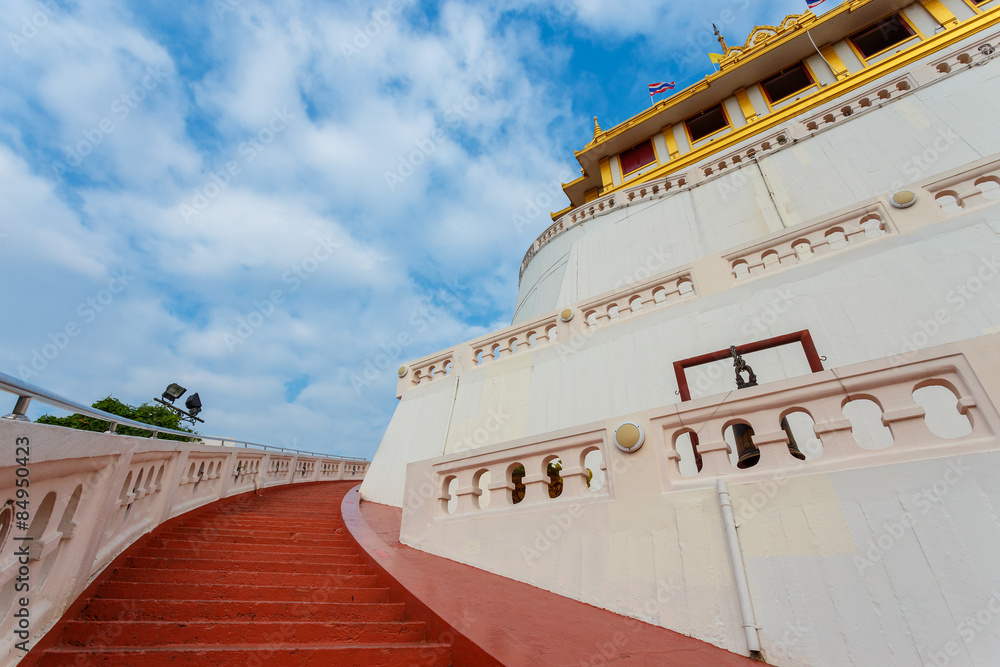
<point x="629" y="437"/>
<point x="403" y="370"/>
<point x="903" y="199"/>
<point x="567" y="314"/>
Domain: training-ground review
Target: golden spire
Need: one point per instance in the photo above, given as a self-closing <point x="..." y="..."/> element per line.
<point x="597" y="128"/>
<point x="722" y="40"/>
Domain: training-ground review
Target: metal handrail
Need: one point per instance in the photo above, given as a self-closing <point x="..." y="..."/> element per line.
<point x="26" y="392"/>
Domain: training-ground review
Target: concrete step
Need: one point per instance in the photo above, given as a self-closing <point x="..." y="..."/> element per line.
<point x="231" y="633"/>
<point x="141" y="591"/>
<point x="239" y="536"/>
<point x="228" y="564"/>
<point x="221" y="611"/>
<point x="173" y="576"/>
<point x="284" y="548"/>
<point x="248" y="555"/>
<point x="373" y="655"/>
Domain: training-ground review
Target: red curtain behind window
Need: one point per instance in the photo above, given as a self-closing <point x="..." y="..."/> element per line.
<point x="638" y="156"/>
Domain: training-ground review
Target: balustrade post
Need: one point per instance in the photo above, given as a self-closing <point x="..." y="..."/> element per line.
<point x="832" y="428"/>
<point x="113" y="481"/>
<point x="465" y="495"/>
<point x="714" y="458"/>
<point x="773" y="447"/>
<point x="536" y="487"/>
<point x="501" y="487"/>
<point x="227" y="477"/>
<point x="574" y="482"/>
<point x="907" y="426"/>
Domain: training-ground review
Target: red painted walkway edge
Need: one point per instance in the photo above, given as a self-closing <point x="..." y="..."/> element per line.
<point x="400" y="578"/>
<point x="511" y="622"/>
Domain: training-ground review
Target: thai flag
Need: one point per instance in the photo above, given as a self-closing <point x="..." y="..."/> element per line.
<point x="655" y="88"/>
<point x="814" y="3"/>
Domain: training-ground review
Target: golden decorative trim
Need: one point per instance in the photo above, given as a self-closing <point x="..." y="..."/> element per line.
<point x="940" y="13"/>
<point x="746" y="106"/>
<point x="763" y="34"/>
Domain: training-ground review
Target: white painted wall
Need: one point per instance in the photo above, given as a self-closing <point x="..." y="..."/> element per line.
<point x="875" y="565"/>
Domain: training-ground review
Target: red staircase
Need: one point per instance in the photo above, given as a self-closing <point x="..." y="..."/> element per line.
<point x="271" y="578"/>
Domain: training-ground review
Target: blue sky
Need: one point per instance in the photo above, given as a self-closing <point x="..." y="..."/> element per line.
<point x="259" y="199"/>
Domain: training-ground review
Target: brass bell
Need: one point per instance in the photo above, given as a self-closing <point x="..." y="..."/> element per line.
<point x="748" y="453"/>
<point x="793" y="448"/>
<point x="694" y="448"/>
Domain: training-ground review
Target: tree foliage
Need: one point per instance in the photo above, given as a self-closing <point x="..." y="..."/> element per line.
<point x="157" y="415"/>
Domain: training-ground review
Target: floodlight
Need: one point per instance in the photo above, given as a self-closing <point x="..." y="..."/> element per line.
<point x="173" y="392"/>
<point x="193" y="405"/>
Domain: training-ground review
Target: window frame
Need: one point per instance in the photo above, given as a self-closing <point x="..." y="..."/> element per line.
<point x="727" y="126"/>
<point x="978" y="6"/>
<point x="813" y="83"/>
<point x="914" y="33"/>
<point x="656" y="157"/>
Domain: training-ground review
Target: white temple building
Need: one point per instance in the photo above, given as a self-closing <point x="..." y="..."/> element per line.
<point x="825" y="209"/>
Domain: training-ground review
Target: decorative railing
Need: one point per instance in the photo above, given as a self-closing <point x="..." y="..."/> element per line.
<point x="865" y="414"/>
<point x="871" y="98"/>
<point x="512" y="340"/>
<point x="657" y="292"/>
<point x="757" y="147"/>
<point x="246" y="474"/>
<point x="788" y="248"/>
<point x="496" y="479"/>
<point x="928" y="405"/>
<point x="971" y="55"/>
<point x="968" y="189"/>
<point x="90" y="495"/>
<point x="429" y="369"/>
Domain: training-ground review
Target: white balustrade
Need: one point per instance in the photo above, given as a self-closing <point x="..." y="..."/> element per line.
<point x="747" y="153"/>
<point x="871" y="98"/>
<point x="968" y="56"/>
<point x="429" y="369"/>
<point x="514" y="340"/>
<point x="835" y="439"/>
<point x="463" y="477"/>
<point x="959" y="191"/>
<point x="657" y="292"/>
<point x="788" y="248"/>
<point x="90" y="495"/>
<point x="246" y="474"/>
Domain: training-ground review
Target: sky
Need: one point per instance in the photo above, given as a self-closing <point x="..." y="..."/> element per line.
<point x="277" y="203"/>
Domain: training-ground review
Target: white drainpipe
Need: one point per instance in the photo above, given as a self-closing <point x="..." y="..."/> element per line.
<point x="739" y="570"/>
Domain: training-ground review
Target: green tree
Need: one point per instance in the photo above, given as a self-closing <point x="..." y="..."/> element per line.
<point x="157" y="415"/>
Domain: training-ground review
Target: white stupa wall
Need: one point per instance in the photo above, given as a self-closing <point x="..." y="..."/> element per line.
<point x="903" y="292"/>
